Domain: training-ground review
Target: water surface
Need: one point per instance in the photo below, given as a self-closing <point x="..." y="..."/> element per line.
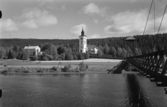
<point x="80" y="90"/>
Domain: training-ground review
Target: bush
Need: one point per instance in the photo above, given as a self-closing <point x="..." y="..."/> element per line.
<point x="66" y="68"/>
<point x="26" y="71"/>
<point x="50" y="57"/>
<point x="87" y="55"/>
<point x="69" y="57"/>
<point x="76" y="69"/>
<point x="87" y="66"/>
<point x="80" y="56"/>
<point x="39" y="70"/>
<point x="4" y="72"/>
<point x="54" y="68"/>
<point x="75" y="57"/>
<point x="33" y="58"/>
<point x="82" y="66"/>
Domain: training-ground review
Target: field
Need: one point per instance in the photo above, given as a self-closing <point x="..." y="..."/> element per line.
<point x="94" y="65"/>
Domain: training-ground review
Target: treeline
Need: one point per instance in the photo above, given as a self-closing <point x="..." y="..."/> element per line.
<point x="58" y="49"/>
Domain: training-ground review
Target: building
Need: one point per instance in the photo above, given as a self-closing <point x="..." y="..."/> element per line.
<point x="83" y="47"/>
<point x="93" y="49"/>
<point x="34" y="50"/>
<point x="82" y="42"/>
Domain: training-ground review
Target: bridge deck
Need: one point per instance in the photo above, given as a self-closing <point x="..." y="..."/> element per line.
<point x="153" y="65"/>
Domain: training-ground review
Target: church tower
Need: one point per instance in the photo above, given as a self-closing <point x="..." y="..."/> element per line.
<point x="82" y="42"/>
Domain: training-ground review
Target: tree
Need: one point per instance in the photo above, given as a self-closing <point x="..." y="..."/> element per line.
<point x="61" y="50"/>
<point x="80" y="56"/>
<point x="16" y="48"/>
<point x="99" y="53"/>
<point x="11" y="54"/>
<point x="63" y="56"/>
<point x="119" y="52"/>
<point x="113" y="51"/>
<point x="144" y="43"/>
<point x="20" y="55"/>
<point x="43" y="56"/>
<point x="106" y="49"/>
<point x="129" y="52"/>
<point x="2" y="52"/>
<point x="87" y="55"/>
<point x="67" y="68"/>
<point x="75" y="56"/>
<point x="34" y="58"/>
<point x="137" y="51"/>
<point x="51" y="50"/>
<point x="154" y="49"/>
<point x="26" y="54"/>
<point x="68" y="56"/>
<point x="124" y="53"/>
<point x="82" y="66"/>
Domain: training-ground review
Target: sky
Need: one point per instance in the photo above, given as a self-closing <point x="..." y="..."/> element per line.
<point x="64" y="19"/>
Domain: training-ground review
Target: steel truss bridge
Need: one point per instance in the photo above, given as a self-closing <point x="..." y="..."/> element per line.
<point x="152" y="65"/>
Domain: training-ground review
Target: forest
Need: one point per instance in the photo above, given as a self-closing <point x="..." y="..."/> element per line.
<point x="61" y="49"/>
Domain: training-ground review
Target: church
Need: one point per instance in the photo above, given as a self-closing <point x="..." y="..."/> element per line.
<point x="84" y="47"/>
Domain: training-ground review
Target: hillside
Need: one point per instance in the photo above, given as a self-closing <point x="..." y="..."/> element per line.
<point x="116" y="47"/>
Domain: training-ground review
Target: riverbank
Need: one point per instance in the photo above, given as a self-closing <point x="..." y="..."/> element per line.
<point x="55" y="67"/>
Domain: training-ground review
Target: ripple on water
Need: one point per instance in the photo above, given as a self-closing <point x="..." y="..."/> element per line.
<point x="88" y="90"/>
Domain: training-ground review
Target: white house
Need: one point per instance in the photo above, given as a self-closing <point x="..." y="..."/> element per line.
<point x="93" y="49"/>
<point x="33" y="49"/>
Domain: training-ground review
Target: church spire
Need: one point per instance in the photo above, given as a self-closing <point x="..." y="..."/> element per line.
<point x="82" y="32"/>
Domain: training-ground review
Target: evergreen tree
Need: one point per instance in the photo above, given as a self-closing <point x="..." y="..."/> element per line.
<point x="129" y="52"/>
<point x="113" y="51"/>
<point x="68" y="56"/>
<point x="124" y="53"/>
<point x="11" y="54"/>
<point x="63" y="55"/>
<point x="26" y="54"/>
<point x="99" y="53"/>
<point x="106" y="49"/>
<point x="80" y="56"/>
<point x="50" y="50"/>
<point x="119" y="52"/>
<point x="2" y="52"/>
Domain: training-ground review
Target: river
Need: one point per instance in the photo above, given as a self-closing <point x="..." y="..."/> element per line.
<point x="80" y="90"/>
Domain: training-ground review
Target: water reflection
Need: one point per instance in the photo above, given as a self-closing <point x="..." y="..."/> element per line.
<point x="136" y="94"/>
<point x="83" y="90"/>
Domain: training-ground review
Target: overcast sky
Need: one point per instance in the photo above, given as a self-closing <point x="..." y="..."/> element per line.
<point x="64" y="19"/>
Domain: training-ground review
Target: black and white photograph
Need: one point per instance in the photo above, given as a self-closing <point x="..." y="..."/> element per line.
<point x="83" y="53"/>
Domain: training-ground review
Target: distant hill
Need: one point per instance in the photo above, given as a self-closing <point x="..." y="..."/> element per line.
<point x="112" y="46"/>
<point x="33" y="42"/>
<point x="141" y="40"/>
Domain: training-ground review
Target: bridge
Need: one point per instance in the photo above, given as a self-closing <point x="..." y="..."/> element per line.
<point x="152" y="65"/>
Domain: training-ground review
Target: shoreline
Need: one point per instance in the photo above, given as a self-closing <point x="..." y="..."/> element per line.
<point x="56" y="73"/>
<point x="19" y="67"/>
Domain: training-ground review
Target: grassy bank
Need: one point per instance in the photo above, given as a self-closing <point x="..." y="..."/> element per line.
<point x="54" y="67"/>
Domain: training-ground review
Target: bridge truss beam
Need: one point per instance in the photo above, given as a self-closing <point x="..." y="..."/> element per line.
<point x="153" y="65"/>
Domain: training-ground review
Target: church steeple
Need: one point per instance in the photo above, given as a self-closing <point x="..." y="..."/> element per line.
<point x="82" y="42"/>
<point x="82" y="32"/>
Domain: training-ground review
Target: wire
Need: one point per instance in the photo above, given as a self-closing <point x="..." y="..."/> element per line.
<point x="147" y="18"/>
<point x="162" y="19"/>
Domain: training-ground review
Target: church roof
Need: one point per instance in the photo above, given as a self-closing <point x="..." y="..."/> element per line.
<point x="31" y="47"/>
<point x="82" y="32"/>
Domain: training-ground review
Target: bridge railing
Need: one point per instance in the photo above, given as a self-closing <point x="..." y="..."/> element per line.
<point x="154" y="65"/>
